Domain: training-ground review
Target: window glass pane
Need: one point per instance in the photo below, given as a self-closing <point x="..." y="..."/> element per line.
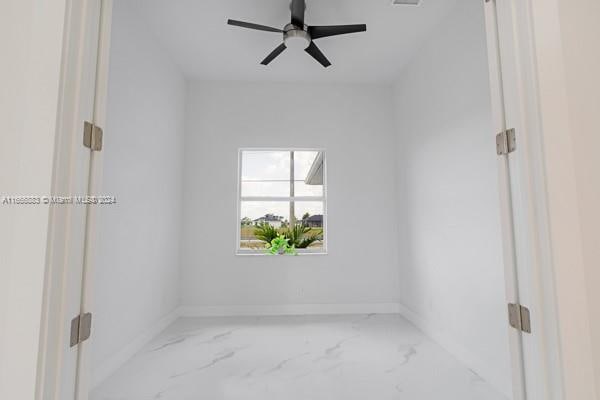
<point x="254" y="213"/>
<point x="308" y="172"/>
<point x="265" y="173"/>
<point x="309" y="211"/>
<point x="303" y="161"/>
<point x="302" y="189"/>
<point x="265" y="165"/>
<point x="309" y="215"/>
<point x="262" y="189"/>
<point x="309" y="223"/>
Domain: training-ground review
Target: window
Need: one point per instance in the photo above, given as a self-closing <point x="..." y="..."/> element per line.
<point x="282" y="192"/>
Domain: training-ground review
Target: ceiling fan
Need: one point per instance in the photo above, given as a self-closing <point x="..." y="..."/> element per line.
<point x="297" y="34"/>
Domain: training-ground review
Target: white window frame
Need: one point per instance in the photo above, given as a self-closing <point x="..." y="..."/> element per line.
<point x="302" y="252"/>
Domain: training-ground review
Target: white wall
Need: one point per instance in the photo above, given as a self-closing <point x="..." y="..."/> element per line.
<point x="137" y="266"/>
<point x="580" y="32"/>
<point x="31" y="33"/>
<point x="355" y="126"/>
<point x="452" y="280"/>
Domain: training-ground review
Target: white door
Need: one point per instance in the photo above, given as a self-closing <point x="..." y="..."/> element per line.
<point x="80" y="101"/>
<point x="506" y="188"/>
<point x="102" y="20"/>
<point x="512" y="74"/>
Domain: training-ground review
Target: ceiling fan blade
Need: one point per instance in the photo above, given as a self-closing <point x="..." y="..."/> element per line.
<point x="298" y="8"/>
<point x="274" y="54"/>
<point x="250" y="25"/>
<point x="314" y="51"/>
<point x="317" y="32"/>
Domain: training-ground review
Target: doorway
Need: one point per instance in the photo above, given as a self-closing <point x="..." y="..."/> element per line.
<point x="211" y="282"/>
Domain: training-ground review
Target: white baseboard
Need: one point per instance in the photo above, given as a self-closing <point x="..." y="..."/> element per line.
<point x="464" y="355"/>
<point x="292" y="309"/>
<point x="113" y="363"/>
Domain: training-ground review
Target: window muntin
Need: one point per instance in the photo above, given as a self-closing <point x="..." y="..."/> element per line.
<point x="281" y="188"/>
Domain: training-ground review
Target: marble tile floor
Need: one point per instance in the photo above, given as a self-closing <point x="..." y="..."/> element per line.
<point x="349" y="357"/>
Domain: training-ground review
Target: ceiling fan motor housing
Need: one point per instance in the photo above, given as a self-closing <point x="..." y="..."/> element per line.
<point x="295" y="37"/>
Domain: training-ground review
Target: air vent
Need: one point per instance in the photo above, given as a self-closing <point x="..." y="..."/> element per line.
<point x="406" y="2"/>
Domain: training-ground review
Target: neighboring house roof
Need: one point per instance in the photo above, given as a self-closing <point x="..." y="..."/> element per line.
<point x="314" y="218"/>
<point x="315" y="173"/>
<point x="269" y="218"/>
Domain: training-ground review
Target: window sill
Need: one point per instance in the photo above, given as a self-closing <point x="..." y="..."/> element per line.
<point x="260" y="253"/>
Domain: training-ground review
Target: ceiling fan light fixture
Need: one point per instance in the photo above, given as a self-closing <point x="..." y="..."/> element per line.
<point x="296" y="39"/>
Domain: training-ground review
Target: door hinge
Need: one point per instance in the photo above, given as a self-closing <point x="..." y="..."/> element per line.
<point x="81" y="329"/>
<point x="92" y="136"/>
<point x="506" y="142"/>
<point x="519" y="317"/>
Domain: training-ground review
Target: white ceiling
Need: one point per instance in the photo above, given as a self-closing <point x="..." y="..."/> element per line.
<point x="195" y="34"/>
